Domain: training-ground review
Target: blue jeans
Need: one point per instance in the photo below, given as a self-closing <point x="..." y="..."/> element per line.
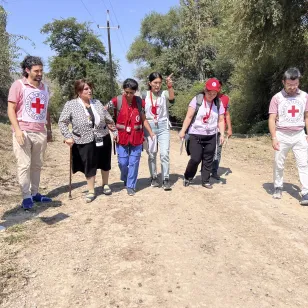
<point x="128" y="160"/>
<point x="162" y="132"/>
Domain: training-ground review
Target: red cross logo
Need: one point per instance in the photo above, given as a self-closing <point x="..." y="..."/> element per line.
<point x="293" y="111"/>
<point x="37" y="105"/>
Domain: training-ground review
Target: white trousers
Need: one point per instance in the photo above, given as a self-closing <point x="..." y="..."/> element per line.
<point x="295" y="141"/>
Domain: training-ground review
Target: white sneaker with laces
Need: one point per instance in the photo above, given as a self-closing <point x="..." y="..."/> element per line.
<point x="277" y="193"/>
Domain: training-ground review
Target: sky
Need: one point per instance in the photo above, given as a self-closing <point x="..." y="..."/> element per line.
<point x="26" y="17"/>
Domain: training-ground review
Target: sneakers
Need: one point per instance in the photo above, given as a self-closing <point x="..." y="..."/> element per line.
<point x="304" y="200"/>
<point x="215" y="176"/>
<point x="166" y="185"/>
<point x="278" y="193"/>
<point x="154" y="182"/>
<point x="130" y="191"/>
<point x="27" y="203"/>
<point x="40" y="198"/>
<point x="90" y="197"/>
<point x="186" y="182"/>
<point x="207" y="185"/>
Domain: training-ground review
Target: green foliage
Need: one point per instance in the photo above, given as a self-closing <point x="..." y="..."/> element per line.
<point x="79" y="54"/>
<point x="179" y="109"/>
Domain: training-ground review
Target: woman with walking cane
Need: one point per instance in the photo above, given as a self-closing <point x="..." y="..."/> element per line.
<point x="204" y="112"/>
<point x="90" y="139"/>
<point x="157" y="114"/>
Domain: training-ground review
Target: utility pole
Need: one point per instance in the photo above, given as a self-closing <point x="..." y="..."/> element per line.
<point x="109" y="48"/>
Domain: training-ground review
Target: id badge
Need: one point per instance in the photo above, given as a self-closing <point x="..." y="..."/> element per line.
<point x="128" y="129"/>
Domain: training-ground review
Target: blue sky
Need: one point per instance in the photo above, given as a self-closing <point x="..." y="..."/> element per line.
<point x="26" y="17"/>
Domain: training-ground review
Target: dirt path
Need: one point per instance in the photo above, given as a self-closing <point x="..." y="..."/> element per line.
<point x="233" y="246"/>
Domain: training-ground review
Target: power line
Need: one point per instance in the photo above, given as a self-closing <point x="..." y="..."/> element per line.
<point x="93" y="19"/>
<point x="118" y="24"/>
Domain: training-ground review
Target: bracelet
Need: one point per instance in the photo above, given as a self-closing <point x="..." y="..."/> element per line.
<point x="274" y="138"/>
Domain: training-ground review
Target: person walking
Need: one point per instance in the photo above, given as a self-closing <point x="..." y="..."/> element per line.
<point x="205" y="114"/>
<point x="130" y="121"/>
<point x="90" y="139"/>
<point x="28" y="113"/>
<point x="157" y="114"/>
<point x="288" y="115"/>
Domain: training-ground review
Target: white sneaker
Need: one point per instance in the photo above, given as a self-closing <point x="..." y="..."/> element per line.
<point x="277" y="193"/>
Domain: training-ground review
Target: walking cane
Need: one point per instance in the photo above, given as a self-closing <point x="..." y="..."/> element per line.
<point x="70" y="182"/>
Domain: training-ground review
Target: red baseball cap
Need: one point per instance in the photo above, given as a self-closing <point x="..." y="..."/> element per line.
<point x="213" y="84"/>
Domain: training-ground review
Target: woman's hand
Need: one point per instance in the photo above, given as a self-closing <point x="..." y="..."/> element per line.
<point x="169" y="81"/>
<point x="181" y="134"/>
<point x="221" y="139"/>
<point x="152" y="136"/>
<point x="69" y="142"/>
<point x="112" y="127"/>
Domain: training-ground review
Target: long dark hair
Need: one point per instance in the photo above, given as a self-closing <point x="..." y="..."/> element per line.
<point x="153" y="76"/>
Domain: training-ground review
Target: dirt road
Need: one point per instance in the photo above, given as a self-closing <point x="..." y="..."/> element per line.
<point x="232" y="246"/>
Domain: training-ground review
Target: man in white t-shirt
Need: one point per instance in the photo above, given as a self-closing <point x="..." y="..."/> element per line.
<point x="288" y="115"/>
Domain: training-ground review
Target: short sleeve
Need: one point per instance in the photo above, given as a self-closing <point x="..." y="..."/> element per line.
<point x="166" y="94"/>
<point x="15" y="92"/>
<point x="193" y="103"/>
<point x="306" y="109"/>
<point x="273" y="107"/>
<point x="221" y="109"/>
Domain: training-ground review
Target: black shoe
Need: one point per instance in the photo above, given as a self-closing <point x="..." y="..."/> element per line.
<point x="207" y="185"/>
<point x="130" y="191"/>
<point x="154" y="182"/>
<point x="215" y="176"/>
<point x="186" y="182"/>
<point x="166" y="185"/>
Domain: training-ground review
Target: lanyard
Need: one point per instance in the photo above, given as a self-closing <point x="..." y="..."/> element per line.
<point x="154" y="107"/>
<point x="208" y="114"/>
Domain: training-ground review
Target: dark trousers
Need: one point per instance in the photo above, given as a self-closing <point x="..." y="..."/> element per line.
<point x="202" y="148"/>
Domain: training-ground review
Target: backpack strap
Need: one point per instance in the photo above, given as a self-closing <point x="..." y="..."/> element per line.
<point x="199" y="98"/>
<point x="139" y="104"/>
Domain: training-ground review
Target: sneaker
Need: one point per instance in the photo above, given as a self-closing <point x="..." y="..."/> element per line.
<point x="154" y="182"/>
<point x="304" y="200"/>
<point x="130" y="191"/>
<point x="166" y="185"/>
<point x="40" y="198"/>
<point x="215" y="176"/>
<point x="207" y="185"/>
<point x="90" y="197"/>
<point x="27" y="203"/>
<point x="278" y="193"/>
<point x="186" y="182"/>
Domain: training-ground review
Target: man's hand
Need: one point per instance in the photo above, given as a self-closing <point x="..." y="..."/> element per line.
<point x="69" y="142"/>
<point x="49" y="136"/>
<point x="20" y="137"/>
<point x="275" y="144"/>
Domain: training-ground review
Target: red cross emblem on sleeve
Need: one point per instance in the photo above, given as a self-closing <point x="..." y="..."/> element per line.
<point x="38" y="106"/>
<point x="293" y="110"/>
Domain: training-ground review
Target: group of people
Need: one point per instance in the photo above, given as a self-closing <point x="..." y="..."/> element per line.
<point x="142" y="122"/>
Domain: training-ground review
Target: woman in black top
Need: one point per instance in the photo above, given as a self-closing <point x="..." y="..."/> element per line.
<point x="90" y="139"/>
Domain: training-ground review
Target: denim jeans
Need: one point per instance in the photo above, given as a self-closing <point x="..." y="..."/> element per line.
<point x="128" y="160"/>
<point x="162" y="132"/>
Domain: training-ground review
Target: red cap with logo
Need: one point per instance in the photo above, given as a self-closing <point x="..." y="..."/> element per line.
<point x="213" y="84"/>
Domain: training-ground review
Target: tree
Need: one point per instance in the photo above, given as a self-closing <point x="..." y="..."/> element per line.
<point x="79" y="54"/>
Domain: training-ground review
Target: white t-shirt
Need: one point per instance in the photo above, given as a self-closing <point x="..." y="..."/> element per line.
<point x="161" y="103"/>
